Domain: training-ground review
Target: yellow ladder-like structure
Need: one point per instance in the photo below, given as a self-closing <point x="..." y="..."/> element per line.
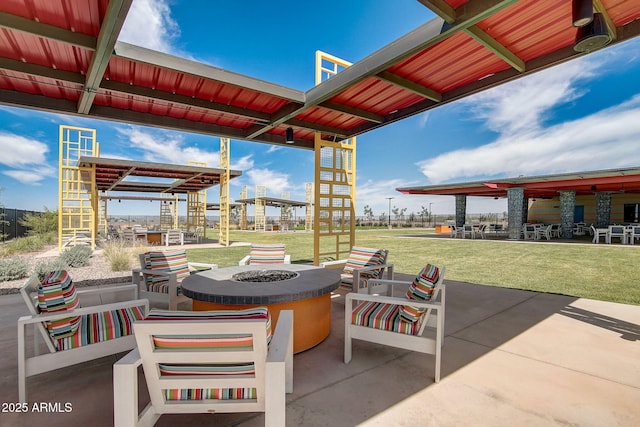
<point x="260" y="208"/>
<point x="243" y="208"/>
<point x="335" y="182"/>
<point x="197" y="205"/>
<point x="77" y="192"/>
<point x="308" y="217"/>
<point x="223" y="233"/>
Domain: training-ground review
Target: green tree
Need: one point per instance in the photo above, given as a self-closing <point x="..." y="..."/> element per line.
<point x="368" y="213"/>
<point x="40" y="222"/>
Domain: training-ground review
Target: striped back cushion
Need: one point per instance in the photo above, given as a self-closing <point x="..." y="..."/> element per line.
<point x="208" y="341"/>
<point x="265" y="253"/>
<point x="421" y="289"/>
<point x="225" y="341"/>
<point x="58" y="293"/>
<point x="166" y="262"/>
<point x="365" y="257"/>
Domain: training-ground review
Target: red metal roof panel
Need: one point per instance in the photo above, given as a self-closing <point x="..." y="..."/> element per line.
<point x="79" y="16"/>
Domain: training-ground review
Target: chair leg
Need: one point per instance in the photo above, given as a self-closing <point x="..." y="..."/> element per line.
<point x="22" y="362"/>
<point x="347" y="330"/>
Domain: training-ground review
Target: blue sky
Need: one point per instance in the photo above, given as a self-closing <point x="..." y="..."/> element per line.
<point x="582" y="115"/>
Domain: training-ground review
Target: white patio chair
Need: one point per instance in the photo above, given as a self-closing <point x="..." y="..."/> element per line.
<point x="599" y="232"/>
<point x="361" y="265"/>
<point x="160" y="273"/>
<point x="543" y="231"/>
<point x="73" y="330"/>
<point x="266" y="253"/>
<point x="529" y="231"/>
<point x="481" y="230"/>
<point x="455" y="231"/>
<point x="634" y="234"/>
<point x="468" y="229"/>
<point x="399" y="322"/>
<point x="556" y="230"/>
<point x="616" y="232"/>
<point x="207" y="362"/>
<point x="173" y="237"/>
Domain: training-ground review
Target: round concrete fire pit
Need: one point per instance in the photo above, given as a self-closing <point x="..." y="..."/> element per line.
<point x="307" y="292"/>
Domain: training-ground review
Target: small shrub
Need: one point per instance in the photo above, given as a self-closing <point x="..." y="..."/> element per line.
<point x="42" y="269"/>
<point x="119" y="254"/>
<point x="12" y="269"/>
<point x="76" y="256"/>
<point x="24" y="244"/>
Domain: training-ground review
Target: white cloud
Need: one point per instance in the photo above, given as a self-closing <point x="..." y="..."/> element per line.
<point x="149" y="24"/>
<point x="20" y="151"/>
<point x="526" y="145"/>
<point x="276" y="182"/>
<point x="26" y="158"/>
<point x="600" y="141"/>
<point x="169" y="147"/>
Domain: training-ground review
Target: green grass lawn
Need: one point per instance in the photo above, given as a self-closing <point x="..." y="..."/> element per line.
<point x="602" y="272"/>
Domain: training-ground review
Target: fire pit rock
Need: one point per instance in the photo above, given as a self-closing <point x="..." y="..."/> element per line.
<point x="258" y="276"/>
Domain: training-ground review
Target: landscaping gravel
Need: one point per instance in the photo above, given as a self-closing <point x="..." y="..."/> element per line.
<point x="97" y="272"/>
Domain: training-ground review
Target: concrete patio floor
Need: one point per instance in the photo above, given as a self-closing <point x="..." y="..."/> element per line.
<point x="510" y="358"/>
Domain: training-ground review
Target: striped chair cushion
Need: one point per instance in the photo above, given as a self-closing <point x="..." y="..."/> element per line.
<point x="99" y="327"/>
<point x="208" y="341"/>
<point x="421" y="289"/>
<point x="362" y="257"/>
<point x="212" y="340"/>
<point x="382" y="316"/>
<point x="58" y="293"/>
<point x="166" y="262"/>
<point x="365" y="257"/>
<point x="209" y="394"/>
<point x="265" y="253"/>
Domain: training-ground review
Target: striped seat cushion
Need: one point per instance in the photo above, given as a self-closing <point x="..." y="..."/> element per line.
<point x="99" y="327"/>
<point x="382" y="316"/>
<point x="165" y="262"/>
<point x="363" y="257"/>
<point x="58" y="293"/>
<point x="208" y="341"/>
<point x="265" y="253"/>
<point x="421" y="289"/>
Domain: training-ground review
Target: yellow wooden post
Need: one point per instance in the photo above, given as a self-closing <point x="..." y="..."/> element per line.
<point x="223" y="233"/>
<point x="335" y="182"/>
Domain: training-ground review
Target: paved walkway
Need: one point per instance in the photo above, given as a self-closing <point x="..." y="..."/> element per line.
<point x="511" y="358"/>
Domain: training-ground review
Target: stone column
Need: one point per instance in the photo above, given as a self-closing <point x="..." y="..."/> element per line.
<point x="461" y="209"/>
<point x="567" y="208"/>
<point x="515" y="206"/>
<point x="603" y="209"/>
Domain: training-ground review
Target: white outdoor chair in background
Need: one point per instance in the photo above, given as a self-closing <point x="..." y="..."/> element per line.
<point x="173" y="237"/>
<point x="232" y="367"/>
<point x="266" y="253"/>
<point x="543" y="231"/>
<point x="529" y="231"/>
<point x="361" y="265"/>
<point x="161" y="273"/>
<point x="599" y="232"/>
<point x="468" y="229"/>
<point x="635" y="234"/>
<point x="616" y="232"/>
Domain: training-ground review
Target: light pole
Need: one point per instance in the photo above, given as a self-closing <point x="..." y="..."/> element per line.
<point x="389" y="199"/>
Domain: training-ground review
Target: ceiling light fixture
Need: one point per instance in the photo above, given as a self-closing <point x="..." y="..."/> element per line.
<point x="593" y="35"/>
<point x="289" y="136"/>
<point x="582" y="12"/>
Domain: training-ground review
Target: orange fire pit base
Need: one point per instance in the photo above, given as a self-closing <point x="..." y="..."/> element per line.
<point x="311" y="318"/>
<point x="307" y="292"/>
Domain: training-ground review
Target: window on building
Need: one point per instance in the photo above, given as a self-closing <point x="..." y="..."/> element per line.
<point x="632" y="212"/>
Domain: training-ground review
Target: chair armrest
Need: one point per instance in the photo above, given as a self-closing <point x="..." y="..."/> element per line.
<point x="133" y="288"/>
<point x="203" y="266"/>
<point x="281" y="349"/>
<point x="333" y="264"/>
<point x="245" y="260"/>
<point x="287" y="259"/>
<point x="391" y="300"/>
<point x="84" y="310"/>
<point x="125" y="389"/>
